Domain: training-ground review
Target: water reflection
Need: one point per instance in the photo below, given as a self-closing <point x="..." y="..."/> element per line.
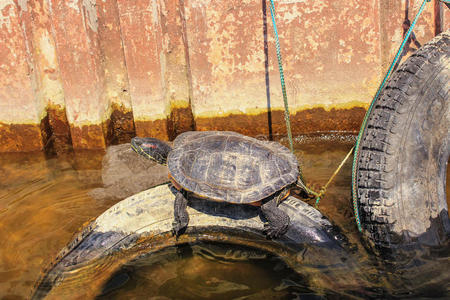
<point x="43" y="202"/>
<point x="206" y="271"/>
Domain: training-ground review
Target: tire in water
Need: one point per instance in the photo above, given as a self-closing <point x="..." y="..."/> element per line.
<point x="404" y="150"/>
<point x="142" y="224"/>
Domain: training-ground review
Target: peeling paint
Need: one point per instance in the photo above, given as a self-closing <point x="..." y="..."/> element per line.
<point x="345" y="55"/>
<point x="6" y="11"/>
<point x="73" y="4"/>
<point x="91" y="12"/>
<point x="47" y="48"/>
<point x="154" y="10"/>
<point x="23" y="4"/>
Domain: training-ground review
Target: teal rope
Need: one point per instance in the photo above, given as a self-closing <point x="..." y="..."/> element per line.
<point x="283" y="87"/>
<point x="366" y="117"/>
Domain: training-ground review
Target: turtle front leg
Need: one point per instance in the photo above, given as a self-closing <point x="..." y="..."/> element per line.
<point x="278" y="220"/>
<point x="181" y="215"/>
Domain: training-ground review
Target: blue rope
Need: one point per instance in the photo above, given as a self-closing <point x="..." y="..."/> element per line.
<point x="366" y="117"/>
<point x="283" y="86"/>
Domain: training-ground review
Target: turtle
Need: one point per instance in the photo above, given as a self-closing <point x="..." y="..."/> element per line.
<point x="228" y="167"/>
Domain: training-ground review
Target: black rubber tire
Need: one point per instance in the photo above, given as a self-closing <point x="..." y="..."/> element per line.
<point x="403" y="154"/>
<point x="142" y="224"/>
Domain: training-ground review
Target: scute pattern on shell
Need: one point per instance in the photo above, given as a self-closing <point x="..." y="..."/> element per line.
<point x="228" y="166"/>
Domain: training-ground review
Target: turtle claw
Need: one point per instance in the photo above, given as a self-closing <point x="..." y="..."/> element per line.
<point x="273" y="232"/>
<point x="178" y="229"/>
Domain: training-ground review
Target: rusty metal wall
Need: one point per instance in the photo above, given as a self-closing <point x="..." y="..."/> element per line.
<point x="88" y="73"/>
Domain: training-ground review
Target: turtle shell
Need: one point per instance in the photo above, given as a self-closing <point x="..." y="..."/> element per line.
<point x="227" y="166"/>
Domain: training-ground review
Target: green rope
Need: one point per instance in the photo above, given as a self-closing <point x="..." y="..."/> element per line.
<point x="366" y="117"/>
<point x="283" y="87"/>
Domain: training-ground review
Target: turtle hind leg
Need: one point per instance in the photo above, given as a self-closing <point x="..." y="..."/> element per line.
<point x="277" y="220"/>
<point x="181" y="215"/>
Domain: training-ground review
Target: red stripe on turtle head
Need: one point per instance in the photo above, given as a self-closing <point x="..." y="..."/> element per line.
<point x="146" y="145"/>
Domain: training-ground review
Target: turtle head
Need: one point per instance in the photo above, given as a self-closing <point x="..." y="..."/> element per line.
<point x="151" y="148"/>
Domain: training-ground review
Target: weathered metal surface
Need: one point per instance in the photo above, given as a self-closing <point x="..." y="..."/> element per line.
<point x="141" y="35"/>
<point x="303" y="122"/>
<point x="50" y="92"/>
<point x="75" y="28"/>
<point x="86" y="73"/>
<point x="19" y="121"/>
<point x="176" y="68"/>
<point x="392" y="15"/>
<point x="330" y="53"/>
<point x="116" y="87"/>
<point x="157" y="66"/>
<point x="60" y="140"/>
<point x="46" y="65"/>
<point x="120" y="125"/>
<point x="20" y="137"/>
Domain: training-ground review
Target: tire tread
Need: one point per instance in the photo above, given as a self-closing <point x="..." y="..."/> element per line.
<point x="382" y="136"/>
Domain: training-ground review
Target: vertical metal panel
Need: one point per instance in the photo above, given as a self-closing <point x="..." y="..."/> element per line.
<point x="19" y="115"/>
<point x="157" y="68"/>
<point x="75" y="26"/>
<point x="141" y="34"/>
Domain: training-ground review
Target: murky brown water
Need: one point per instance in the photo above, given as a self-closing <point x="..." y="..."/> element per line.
<point x="44" y="201"/>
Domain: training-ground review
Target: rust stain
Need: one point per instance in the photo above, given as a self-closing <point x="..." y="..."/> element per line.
<point x="46" y="131"/>
<point x="179" y="121"/>
<point x="120" y="126"/>
<point x="88" y="137"/>
<point x="20" y="137"/>
<point x="59" y="125"/>
<point x="318" y="119"/>
<point x="305" y="121"/>
<point x="156" y="129"/>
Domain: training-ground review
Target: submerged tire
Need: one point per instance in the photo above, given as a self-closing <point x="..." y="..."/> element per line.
<point x="142" y="224"/>
<point x="402" y="160"/>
